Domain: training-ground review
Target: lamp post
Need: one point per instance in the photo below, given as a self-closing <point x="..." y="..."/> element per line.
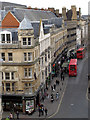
<point x="1" y="60"/>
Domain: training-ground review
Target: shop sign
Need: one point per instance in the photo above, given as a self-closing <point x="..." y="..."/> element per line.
<point x="29" y="106"/>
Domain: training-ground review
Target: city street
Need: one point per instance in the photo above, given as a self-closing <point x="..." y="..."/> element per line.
<point x="75" y="103"/>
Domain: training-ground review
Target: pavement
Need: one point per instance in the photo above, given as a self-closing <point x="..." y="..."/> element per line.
<point x="52" y="107"/>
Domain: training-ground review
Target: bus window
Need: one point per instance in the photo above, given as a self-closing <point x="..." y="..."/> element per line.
<point x="72" y="67"/>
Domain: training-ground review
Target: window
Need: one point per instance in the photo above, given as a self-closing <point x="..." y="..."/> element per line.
<point x="29" y="41"/>
<point x="30" y="73"/>
<point x="13" y="85"/>
<point x="42" y="60"/>
<point x="46" y="71"/>
<point x="3" y="38"/>
<point x="7" y="76"/>
<point x="29" y="56"/>
<point x="45" y="57"/>
<point x="7" y="86"/>
<point x="3" y="86"/>
<point x="12" y="75"/>
<point x="25" y="72"/>
<point x="8" y="38"/>
<point x="10" y="57"/>
<point x="2" y="75"/>
<point x="42" y="75"/>
<point x="49" y="54"/>
<point x="3" y="56"/>
<point x="72" y="67"/>
<point x="25" y="56"/>
<point x="24" y="41"/>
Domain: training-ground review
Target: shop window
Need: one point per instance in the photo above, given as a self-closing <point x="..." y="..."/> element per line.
<point x="7" y="76"/>
<point x="3" y="38"/>
<point x="7" y="86"/>
<point x="24" y="41"/>
<point x="3" y="56"/>
<point x="10" y="57"/>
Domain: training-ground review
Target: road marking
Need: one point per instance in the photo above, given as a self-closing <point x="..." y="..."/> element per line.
<point x="87" y="95"/>
<point x="59" y="104"/>
<point x="72" y="104"/>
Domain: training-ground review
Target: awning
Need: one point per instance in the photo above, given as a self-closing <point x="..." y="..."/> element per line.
<point x="65" y="65"/>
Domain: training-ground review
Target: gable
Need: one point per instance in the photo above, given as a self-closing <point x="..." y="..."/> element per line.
<point x="10" y="21"/>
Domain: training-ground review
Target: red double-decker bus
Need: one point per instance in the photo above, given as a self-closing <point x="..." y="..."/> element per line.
<point x="80" y="53"/>
<point x="73" y="67"/>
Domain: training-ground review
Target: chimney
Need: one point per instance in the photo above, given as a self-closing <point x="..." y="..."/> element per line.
<point x="74" y="13"/>
<point x="80" y="13"/>
<point x="64" y="13"/>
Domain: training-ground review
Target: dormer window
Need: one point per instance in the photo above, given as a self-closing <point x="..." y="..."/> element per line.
<point x="8" y="38"/>
<point x="5" y="37"/>
<point x="24" y="41"/>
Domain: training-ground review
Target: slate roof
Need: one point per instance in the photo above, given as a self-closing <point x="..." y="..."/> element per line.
<point x="25" y="24"/>
<point x="33" y="15"/>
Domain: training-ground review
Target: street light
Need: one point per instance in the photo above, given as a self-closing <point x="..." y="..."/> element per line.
<point x="1" y="60"/>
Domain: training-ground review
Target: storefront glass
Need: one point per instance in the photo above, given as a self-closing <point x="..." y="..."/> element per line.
<point x="29" y="106"/>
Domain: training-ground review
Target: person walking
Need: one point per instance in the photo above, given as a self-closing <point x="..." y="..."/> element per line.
<point x="57" y="96"/>
<point x="17" y="113"/>
<point x="11" y="116"/>
<point x="51" y="87"/>
<point x="63" y="77"/>
<point x="54" y="86"/>
<point x="46" y="111"/>
<point x="39" y="111"/>
<point x="42" y="109"/>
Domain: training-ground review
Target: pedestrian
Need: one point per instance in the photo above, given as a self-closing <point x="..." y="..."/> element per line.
<point x="57" y="96"/>
<point x="11" y="116"/>
<point x="52" y="99"/>
<point x="63" y="77"/>
<point x="43" y="98"/>
<point x="54" y="86"/>
<point x="39" y="111"/>
<point x="46" y="111"/>
<point x="47" y="95"/>
<point x="51" y="87"/>
<point x="17" y="113"/>
<point x="42" y="109"/>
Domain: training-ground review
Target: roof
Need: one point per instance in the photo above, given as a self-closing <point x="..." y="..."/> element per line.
<point x="80" y="49"/>
<point x="32" y="15"/>
<point x="73" y="62"/>
<point x="25" y="24"/>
